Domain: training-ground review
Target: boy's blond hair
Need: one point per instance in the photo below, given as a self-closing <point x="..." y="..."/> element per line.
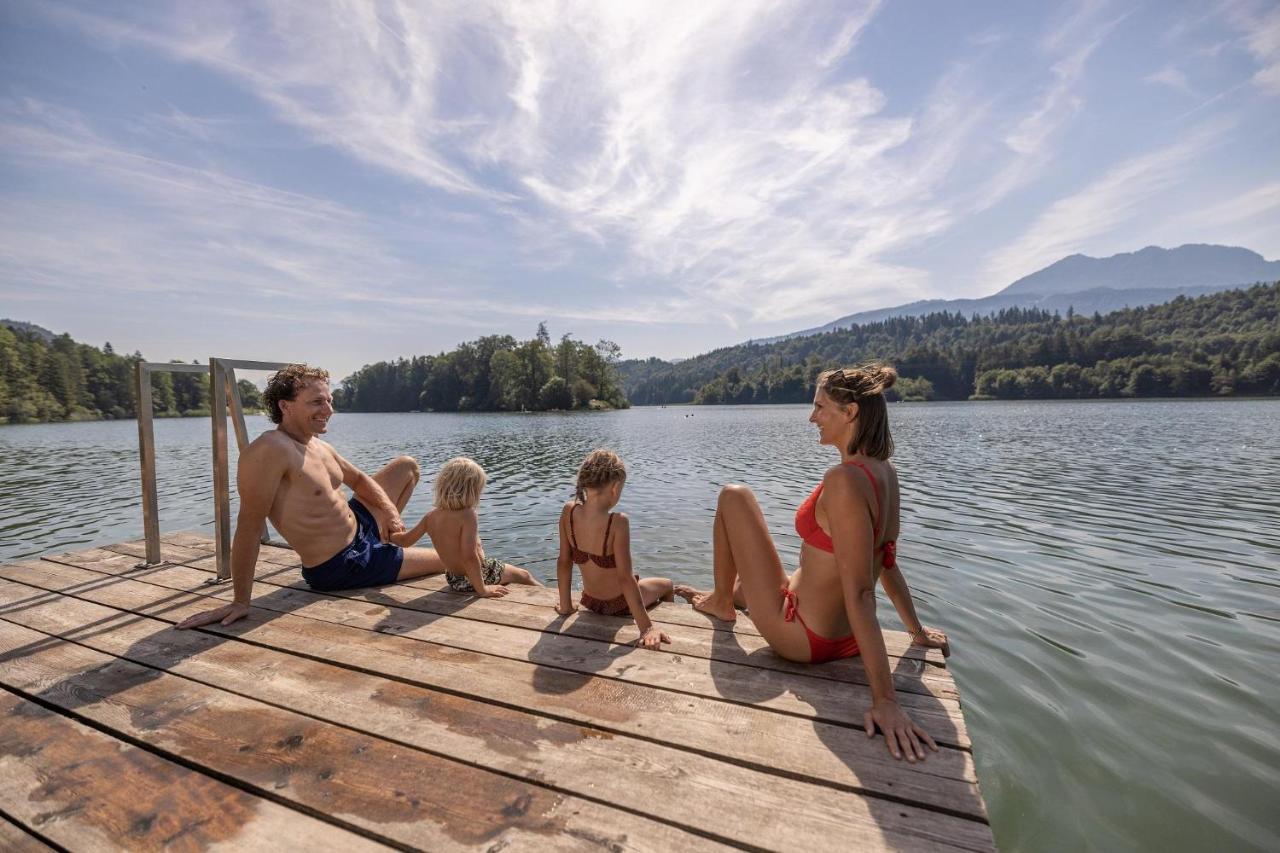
<point x="459" y="484"/>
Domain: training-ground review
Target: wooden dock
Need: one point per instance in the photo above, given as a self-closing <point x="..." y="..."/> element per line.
<point x="409" y="717"/>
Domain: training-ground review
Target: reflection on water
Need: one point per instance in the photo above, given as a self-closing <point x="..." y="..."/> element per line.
<point x="1109" y="571"/>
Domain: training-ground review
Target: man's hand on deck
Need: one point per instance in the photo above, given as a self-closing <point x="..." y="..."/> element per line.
<point x="223" y="615"/>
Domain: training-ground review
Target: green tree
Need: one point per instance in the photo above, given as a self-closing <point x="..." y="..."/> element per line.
<point x="555" y="394"/>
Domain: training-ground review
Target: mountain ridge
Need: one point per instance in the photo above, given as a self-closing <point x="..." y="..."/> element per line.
<point x="1150" y="276"/>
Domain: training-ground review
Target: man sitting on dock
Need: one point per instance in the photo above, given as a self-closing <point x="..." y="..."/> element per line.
<point x="292" y="477"/>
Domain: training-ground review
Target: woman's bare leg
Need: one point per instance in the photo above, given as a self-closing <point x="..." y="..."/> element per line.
<point x="398" y="479"/>
<point x="744" y="558"/>
<point x="653" y="590"/>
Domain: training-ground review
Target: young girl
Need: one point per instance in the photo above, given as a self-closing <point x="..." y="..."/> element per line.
<point x="608" y="586"/>
<point x="454" y="530"/>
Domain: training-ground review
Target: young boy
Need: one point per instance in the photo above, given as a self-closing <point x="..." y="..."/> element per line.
<point x="454" y="530"/>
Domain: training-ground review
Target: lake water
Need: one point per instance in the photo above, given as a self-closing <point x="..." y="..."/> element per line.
<point x="1109" y="572"/>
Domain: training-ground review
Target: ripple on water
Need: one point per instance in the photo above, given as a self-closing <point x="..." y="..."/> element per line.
<point x="1110" y="585"/>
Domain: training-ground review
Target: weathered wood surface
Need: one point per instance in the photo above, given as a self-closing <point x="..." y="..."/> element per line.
<point x="397" y="610"/>
<point x="432" y="595"/>
<point x="399" y="794"/>
<point x="194" y="549"/>
<point x="499" y="722"/>
<point x="584" y="760"/>
<point x="86" y="790"/>
<point x="719" y="672"/>
<point x="18" y="839"/>
<point x="819" y="751"/>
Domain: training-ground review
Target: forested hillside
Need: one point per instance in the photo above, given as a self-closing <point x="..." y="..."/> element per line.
<point x="494" y="373"/>
<point x="53" y="378"/>
<point x="1222" y="344"/>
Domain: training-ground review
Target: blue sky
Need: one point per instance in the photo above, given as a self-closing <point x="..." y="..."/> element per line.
<point x="348" y="182"/>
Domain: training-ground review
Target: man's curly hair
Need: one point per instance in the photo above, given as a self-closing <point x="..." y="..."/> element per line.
<point x="286" y="383"/>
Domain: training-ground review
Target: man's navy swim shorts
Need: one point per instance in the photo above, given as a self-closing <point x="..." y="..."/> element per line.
<point x="367" y="561"/>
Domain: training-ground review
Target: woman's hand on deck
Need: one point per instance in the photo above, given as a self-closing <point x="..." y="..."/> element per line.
<point x="224" y="615"/>
<point x="900" y="734"/>
<point x="653" y="638"/>
<point x="931" y="638"/>
<point x="567" y="610"/>
<point x="492" y="591"/>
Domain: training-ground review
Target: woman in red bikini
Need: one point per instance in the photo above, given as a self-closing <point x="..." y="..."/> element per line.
<point x="826" y="610"/>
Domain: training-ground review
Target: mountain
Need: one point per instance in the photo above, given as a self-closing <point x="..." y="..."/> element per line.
<point x="30" y="328"/>
<point x="1087" y="285"/>
<point x="1153" y="268"/>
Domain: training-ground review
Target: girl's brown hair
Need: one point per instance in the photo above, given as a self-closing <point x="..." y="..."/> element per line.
<point x="600" y="468"/>
<point x="865" y="386"/>
<point x="459" y="484"/>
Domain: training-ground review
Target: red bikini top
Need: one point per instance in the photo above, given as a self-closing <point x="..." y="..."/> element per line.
<point x="604" y="561"/>
<point x="811" y="532"/>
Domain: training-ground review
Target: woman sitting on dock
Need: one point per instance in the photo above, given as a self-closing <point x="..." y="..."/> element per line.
<point x="849" y="525"/>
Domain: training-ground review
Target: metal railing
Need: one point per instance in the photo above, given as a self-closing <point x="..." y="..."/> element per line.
<point x="224" y="395"/>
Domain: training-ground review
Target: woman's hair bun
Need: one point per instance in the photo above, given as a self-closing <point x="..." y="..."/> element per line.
<point x="884" y="376"/>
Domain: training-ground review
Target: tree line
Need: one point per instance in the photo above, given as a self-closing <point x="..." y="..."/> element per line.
<point x="493" y="373"/>
<point x="1224" y="344"/>
<point x="54" y="378"/>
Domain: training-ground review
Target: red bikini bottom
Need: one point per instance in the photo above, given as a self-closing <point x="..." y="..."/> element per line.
<point x="615" y="606"/>
<point x="821" y="649"/>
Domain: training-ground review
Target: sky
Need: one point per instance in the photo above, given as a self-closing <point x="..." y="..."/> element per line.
<point x="348" y="182"/>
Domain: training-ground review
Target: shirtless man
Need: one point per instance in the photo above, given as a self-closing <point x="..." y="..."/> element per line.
<point x="292" y="477"/>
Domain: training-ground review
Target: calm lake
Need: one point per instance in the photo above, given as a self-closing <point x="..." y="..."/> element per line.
<point x="1109" y="572"/>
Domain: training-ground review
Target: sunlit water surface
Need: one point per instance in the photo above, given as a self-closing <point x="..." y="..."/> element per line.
<point x="1108" y="571"/>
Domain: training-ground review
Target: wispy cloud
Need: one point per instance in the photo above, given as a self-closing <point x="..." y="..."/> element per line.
<point x="1172" y="77"/>
<point x="204" y="229"/>
<point x="732" y="163"/>
<point x="714" y="144"/>
<point x="1069" y="47"/>
<point x="1262" y="38"/>
<point x="1254" y="208"/>
<point x="1068" y="225"/>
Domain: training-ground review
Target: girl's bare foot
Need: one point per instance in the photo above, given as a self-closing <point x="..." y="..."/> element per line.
<point x="687" y="592"/>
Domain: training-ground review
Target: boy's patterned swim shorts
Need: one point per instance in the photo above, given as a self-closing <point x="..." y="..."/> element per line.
<point x="490" y="568"/>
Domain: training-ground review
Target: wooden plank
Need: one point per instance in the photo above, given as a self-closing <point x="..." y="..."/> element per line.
<point x="393" y="792"/>
<point x="590" y="762"/>
<point x="790" y="693"/>
<point x="917" y="670"/>
<point x="681" y="616"/>
<point x="911" y="675"/>
<point x="796" y="693"/>
<point x="272" y="559"/>
<point x="814" y="751"/>
<point x="16" y="839"/>
<point x="85" y="790"/>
